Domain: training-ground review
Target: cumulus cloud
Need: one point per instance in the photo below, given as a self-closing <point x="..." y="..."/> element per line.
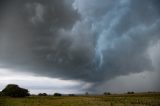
<point x="87" y="40"/>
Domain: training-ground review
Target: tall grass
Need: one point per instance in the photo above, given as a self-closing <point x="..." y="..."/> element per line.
<point x="112" y="100"/>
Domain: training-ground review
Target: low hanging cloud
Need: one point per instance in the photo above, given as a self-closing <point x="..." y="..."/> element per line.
<point x="87" y="40"/>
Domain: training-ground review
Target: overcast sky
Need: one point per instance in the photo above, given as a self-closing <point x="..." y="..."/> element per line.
<point x="74" y="46"/>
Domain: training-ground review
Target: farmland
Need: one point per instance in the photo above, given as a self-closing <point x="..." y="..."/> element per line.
<point x="110" y="100"/>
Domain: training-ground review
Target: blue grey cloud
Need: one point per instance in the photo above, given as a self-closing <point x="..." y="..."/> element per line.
<point x="87" y="40"/>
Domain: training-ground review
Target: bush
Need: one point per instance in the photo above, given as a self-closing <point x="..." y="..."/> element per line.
<point x="86" y="93"/>
<point x="107" y="93"/>
<point x="14" y="90"/>
<point x="1" y="94"/>
<point x="71" y="94"/>
<point x="42" y="94"/>
<point x="130" y="92"/>
<point x="57" y="94"/>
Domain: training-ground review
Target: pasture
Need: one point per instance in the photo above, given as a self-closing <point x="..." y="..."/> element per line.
<point x="110" y="100"/>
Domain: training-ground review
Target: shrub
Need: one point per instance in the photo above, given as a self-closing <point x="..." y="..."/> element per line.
<point x="42" y="94"/>
<point x="71" y="94"/>
<point x="107" y="93"/>
<point x="130" y="92"/>
<point x="86" y="93"/>
<point x="1" y="94"/>
<point x="14" y="90"/>
<point x="57" y="94"/>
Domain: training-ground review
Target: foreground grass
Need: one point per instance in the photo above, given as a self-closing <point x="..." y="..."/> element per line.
<point x="113" y="100"/>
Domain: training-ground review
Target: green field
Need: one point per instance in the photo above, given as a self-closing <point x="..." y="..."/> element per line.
<point x="111" y="100"/>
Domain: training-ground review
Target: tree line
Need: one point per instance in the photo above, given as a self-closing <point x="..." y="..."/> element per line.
<point x="14" y="90"/>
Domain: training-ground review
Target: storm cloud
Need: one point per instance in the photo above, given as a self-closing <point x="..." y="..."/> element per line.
<point x="88" y="40"/>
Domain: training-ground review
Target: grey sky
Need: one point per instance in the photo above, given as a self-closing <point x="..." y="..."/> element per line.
<point x="82" y="40"/>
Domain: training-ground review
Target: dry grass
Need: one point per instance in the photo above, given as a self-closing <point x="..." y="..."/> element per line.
<point x="113" y="100"/>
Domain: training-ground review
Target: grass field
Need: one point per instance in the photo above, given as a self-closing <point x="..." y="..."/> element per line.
<point x="111" y="100"/>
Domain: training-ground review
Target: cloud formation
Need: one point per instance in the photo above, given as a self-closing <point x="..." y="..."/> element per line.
<point x="87" y="40"/>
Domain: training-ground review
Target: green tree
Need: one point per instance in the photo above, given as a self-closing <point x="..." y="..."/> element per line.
<point x="57" y="94"/>
<point x="42" y="94"/>
<point x="1" y="94"/>
<point x="107" y="93"/>
<point x="14" y="90"/>
<point x="130" y="92"/>
<point x="86" y="93"/>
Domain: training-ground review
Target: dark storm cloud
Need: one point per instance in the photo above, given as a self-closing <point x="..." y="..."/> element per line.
<point x="31" y="27"/>
<point x="85" y="40"/>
